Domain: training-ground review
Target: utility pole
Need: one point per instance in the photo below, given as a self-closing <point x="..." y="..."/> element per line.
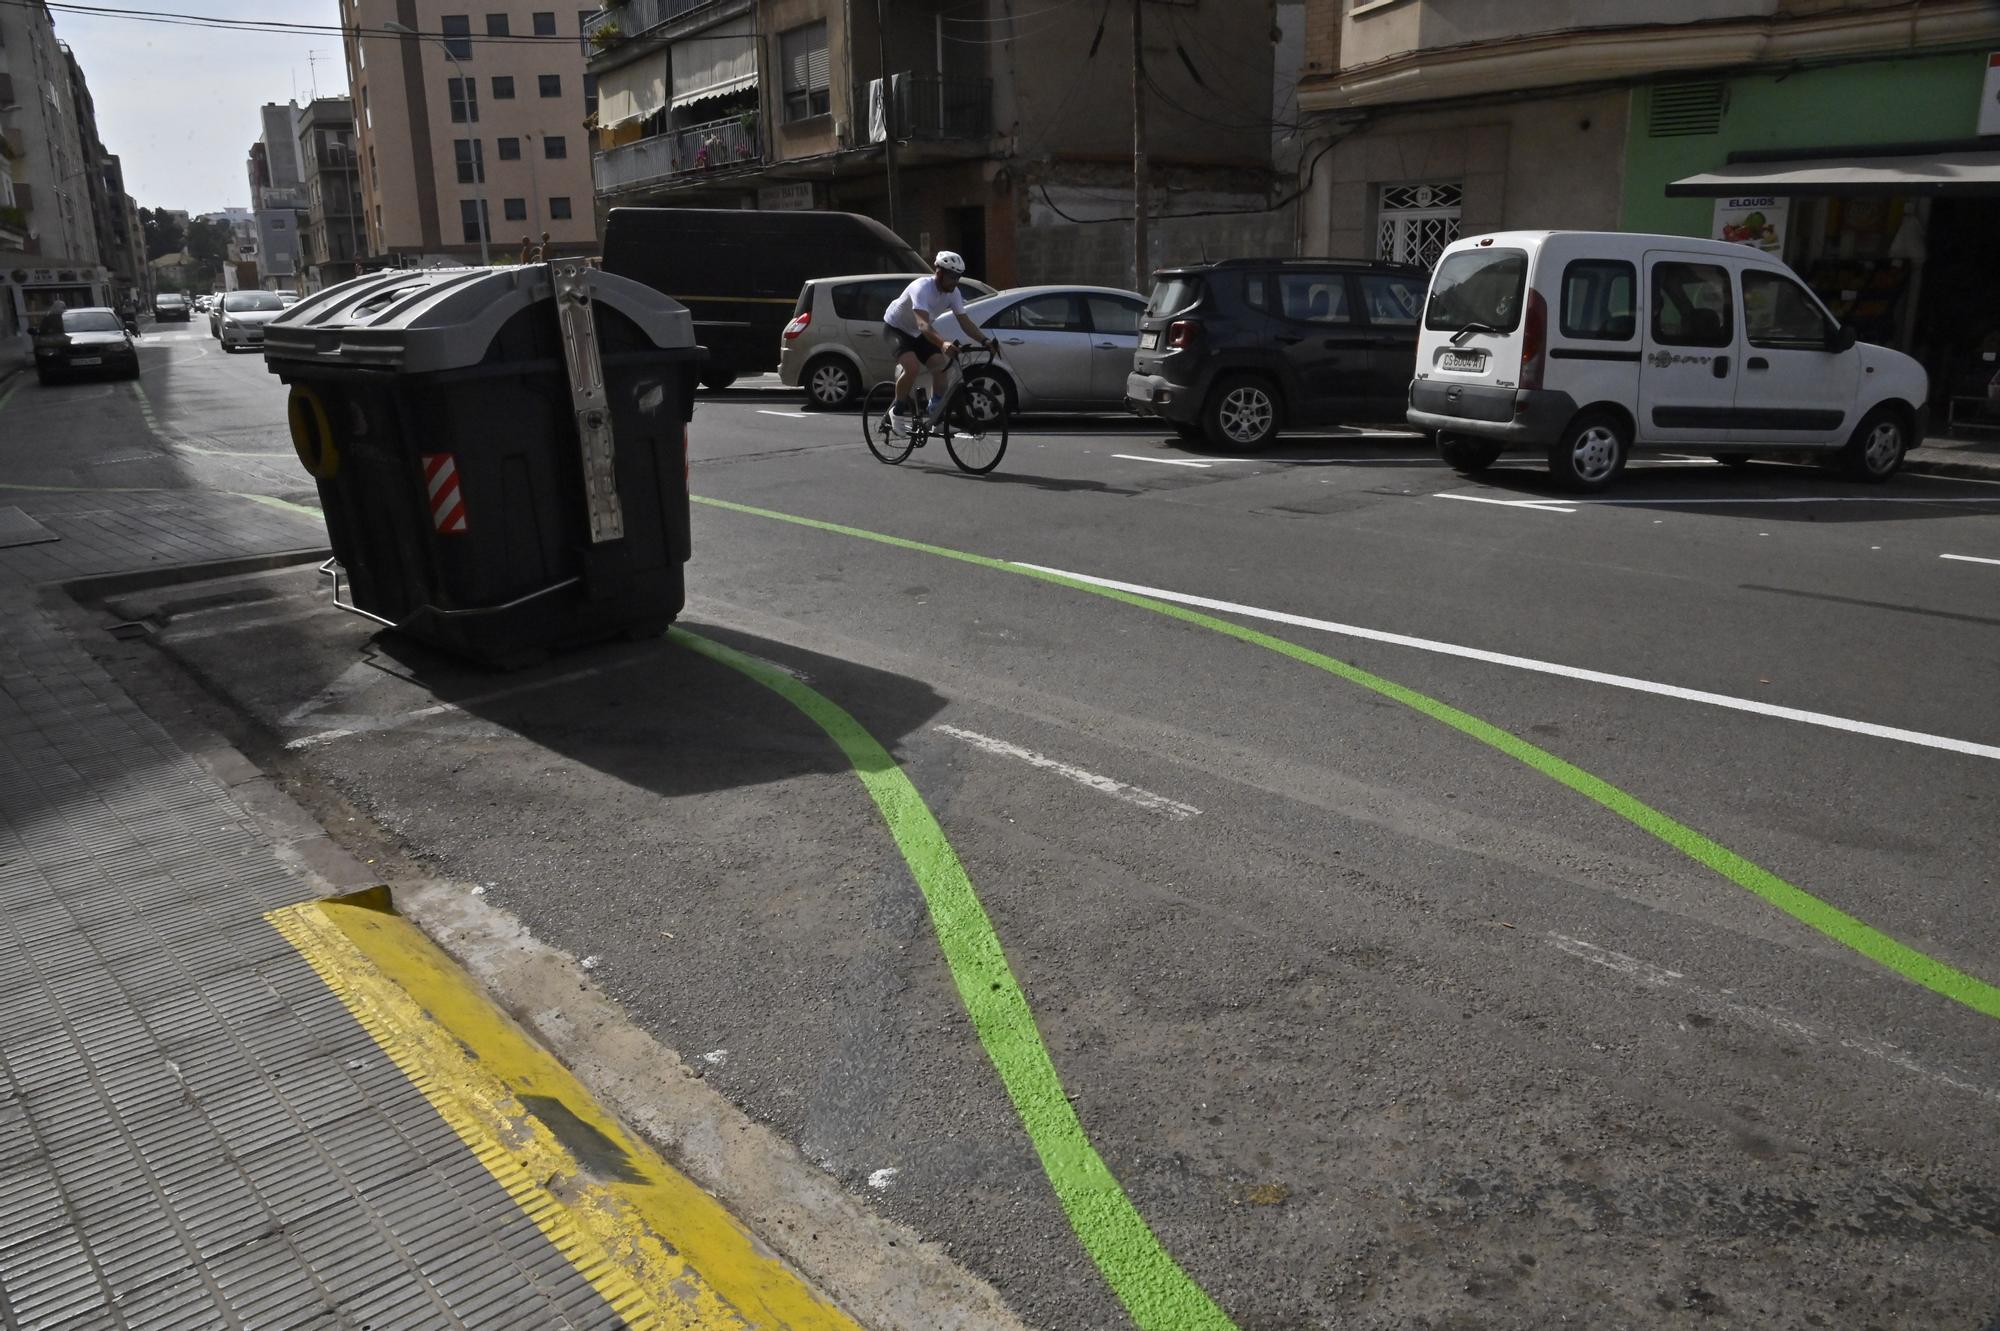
<point x="1142" y="200"/>
<point x="888" y="114"/>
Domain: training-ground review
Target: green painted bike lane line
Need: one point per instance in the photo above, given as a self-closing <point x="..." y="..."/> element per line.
<point x="1141" y="1273"/>
<point x="1914" y="965"/>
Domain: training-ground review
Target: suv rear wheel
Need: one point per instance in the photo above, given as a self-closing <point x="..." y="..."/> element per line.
<point x="1241" y="414"/>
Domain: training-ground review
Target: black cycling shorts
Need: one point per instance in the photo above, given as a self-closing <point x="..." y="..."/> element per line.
<point x="922" y="348"/>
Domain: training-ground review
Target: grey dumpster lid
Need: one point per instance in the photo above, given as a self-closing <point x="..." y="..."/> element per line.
<point x="418" y="320"/>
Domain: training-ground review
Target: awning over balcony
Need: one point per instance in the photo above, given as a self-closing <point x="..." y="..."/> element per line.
<point x="1944" y="171"/>
<point x="632" y="92"/>
<point x="715" y="61"/>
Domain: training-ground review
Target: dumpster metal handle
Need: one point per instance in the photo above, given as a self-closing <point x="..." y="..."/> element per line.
<point x="470" y="612"/>
<point x="573" y="281"/>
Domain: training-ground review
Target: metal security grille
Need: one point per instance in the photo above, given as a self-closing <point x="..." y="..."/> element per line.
<point x="1415" y="222"/>
<point x="1678" y="110"/>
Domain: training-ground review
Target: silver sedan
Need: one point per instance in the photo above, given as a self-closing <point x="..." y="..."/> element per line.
<point x="1061" y="348"/>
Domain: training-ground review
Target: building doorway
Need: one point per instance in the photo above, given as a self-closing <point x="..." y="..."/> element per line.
<point x="965" y="231"/>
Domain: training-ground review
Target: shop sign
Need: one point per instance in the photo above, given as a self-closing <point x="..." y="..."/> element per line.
<point x="1757" y="220"/>
<point x="1989" y="97"/>
<point x="795" y="197"/>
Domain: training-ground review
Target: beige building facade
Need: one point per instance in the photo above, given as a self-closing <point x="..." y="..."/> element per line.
<point x="478" y="123"/>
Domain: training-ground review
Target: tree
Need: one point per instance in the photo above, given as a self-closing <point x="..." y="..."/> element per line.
<point x="208" y="242"/>
<point x="164" y="234"/>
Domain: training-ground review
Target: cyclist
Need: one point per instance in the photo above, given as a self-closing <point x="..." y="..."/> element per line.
<point x="911" y="324"/>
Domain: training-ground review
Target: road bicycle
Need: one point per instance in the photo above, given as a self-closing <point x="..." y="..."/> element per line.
<point x="971" y="418"/>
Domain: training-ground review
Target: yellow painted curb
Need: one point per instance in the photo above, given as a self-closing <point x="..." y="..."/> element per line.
<point x="663" y="1253"/>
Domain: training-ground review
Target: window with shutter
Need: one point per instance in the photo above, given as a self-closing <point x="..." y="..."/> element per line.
<point x="807" y="73"/>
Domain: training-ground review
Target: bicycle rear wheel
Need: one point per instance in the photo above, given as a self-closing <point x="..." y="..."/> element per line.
<point x="884" y="443"/>
<point x="975" y="432"/>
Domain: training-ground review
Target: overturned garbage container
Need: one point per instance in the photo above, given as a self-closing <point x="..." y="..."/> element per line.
<point x="501" y="452"/>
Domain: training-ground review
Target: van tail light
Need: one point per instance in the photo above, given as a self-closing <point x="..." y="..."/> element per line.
<point x="800" y="322"/>
<point x="1181" y="334"/>
<point x="1534" y="341"/>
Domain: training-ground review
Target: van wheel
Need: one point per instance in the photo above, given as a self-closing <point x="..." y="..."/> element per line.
<point x="1875" y="450"/>
<point x="1241" y="414"/>
<point x="1591" y="451"/>
<point x="829" y="383"/>
<point x="717" y="380"/>
<point x="1735" y="461"/>
<point x="1466" y="453"/>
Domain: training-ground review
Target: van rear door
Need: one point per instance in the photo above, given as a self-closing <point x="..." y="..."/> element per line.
<point x="1471" y="336"/>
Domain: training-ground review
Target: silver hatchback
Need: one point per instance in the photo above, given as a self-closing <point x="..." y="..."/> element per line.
<point x="834" y="347"/>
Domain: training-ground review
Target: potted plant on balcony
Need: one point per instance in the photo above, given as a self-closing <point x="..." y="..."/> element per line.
<point x="606" y="35"/>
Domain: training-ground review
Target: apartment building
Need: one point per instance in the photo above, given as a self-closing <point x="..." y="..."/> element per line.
<point x="333" y="243"/>
<point x="277" y="196"/>
<point x="102" y="184"/>
<point x="475" y="128"/>
<point x="49" y="244"/>
<point x="1857" y="139"/>
<point x="1013" y="137"/>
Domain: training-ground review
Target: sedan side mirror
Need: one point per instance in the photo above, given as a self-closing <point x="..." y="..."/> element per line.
<point x="1842" y="338"/>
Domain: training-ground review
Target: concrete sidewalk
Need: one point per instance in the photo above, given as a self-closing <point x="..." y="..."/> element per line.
<point x="1973" y="457"/>
<point x="227" y="1104"/>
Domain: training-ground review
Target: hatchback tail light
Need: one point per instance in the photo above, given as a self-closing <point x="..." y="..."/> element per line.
<point x="800" y="322"/>
<point x="1534" y="340"/>
<point x="1181" y="334"/>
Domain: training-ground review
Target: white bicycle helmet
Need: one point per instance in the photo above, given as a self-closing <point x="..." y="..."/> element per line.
<point x="951" y="261"/>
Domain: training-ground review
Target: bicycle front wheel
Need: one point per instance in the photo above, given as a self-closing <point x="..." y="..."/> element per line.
<point x="976" y="428"/>
<point x="883" y="442"/>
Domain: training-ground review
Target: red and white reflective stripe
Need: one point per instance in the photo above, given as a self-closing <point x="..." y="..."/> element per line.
<point x="447" y="503"/>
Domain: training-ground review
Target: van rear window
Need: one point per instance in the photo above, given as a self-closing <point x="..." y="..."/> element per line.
<point x="1171" y="295"/>
<point x="1478" y="287"/>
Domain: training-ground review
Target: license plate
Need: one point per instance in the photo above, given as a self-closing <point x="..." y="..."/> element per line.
<point x="1149" y="341"/>
<point x="88" y="360"/>
<point x="1466" y="362"/>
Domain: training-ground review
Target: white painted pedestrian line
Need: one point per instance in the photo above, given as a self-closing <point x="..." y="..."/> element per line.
<point x="1725" y="1000"/>
<point x="788" y="415"/>
<point x="1169" y="462"/>
<point x="1830" y="722"/>
<point x="1970" y="559"/>
<point x="1539" y="505"/>
<point x="1104" y="785"/>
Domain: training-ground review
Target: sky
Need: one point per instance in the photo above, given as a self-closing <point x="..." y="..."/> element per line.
<point x="179" y="104"/>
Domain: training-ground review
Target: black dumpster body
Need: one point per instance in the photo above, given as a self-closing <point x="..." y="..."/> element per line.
<point x="491" y="485"/>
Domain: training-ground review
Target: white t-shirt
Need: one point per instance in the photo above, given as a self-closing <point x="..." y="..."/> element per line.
<point x="923" y="294"/>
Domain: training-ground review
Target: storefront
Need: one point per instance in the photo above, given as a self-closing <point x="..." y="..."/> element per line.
<point x="30" y="292"/>
<point x="1879" y="183"/>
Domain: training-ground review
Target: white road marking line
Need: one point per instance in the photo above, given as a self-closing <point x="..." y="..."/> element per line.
<point x="1794" y="499"/>
<point x="1970" y="559"/>
<point x="1168" y="462"/>
<point x="1725" y="1000"/>
<point x="1105" y="785"/>
<point x="788" y="415"/>
<point x="1724" y="700"/>
<point x="1539" y="505"/>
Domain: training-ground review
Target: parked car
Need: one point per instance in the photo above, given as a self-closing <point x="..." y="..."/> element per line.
<point x="1232" y="353"/>
<point x="90" y="340"/>
<point x="290" y="298"/>
<point x="1589" y="345"/>
<point x="239" y="317"/>
<point x="834" y="347"/>
<point x="738" y="270"/>
<point x="171" y="307"/>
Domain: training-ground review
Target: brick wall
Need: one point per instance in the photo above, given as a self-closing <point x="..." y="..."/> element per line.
<point x="1322" y="38"/>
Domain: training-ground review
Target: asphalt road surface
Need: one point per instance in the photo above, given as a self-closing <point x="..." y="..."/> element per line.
<point x="1663" y="998"/>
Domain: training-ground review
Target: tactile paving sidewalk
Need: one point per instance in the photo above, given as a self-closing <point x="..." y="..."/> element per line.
<point x="193" y="1131"/>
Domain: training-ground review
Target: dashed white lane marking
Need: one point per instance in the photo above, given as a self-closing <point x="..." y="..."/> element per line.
<point x="1539" y="505"/>
<point x="1724" y="700"/>
<point x="1970" y="559"/>
<point x="1104" y="785"/>
<point x="1725" y="1000"/>
<point x="788" y="415"/>
<point x="1165" y="462"/>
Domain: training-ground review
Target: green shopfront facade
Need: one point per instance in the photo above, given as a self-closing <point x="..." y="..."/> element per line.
<point x="1914" y="265"/>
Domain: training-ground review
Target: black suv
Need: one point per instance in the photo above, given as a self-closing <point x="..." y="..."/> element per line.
<point x="1233" y="352"/>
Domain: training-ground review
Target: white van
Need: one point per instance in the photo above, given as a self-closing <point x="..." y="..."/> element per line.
<point x="1589" y="344"/>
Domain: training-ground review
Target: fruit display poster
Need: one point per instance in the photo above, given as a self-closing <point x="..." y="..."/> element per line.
<point x="1753" y="219"/>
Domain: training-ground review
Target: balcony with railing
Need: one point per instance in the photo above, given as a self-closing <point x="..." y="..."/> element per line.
<point x="676" y="153"/>
<point x="939" y="108"/>
<point x="634" y="17"/>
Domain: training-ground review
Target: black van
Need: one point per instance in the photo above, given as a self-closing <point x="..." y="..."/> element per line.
<point x="739" y="271"/>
